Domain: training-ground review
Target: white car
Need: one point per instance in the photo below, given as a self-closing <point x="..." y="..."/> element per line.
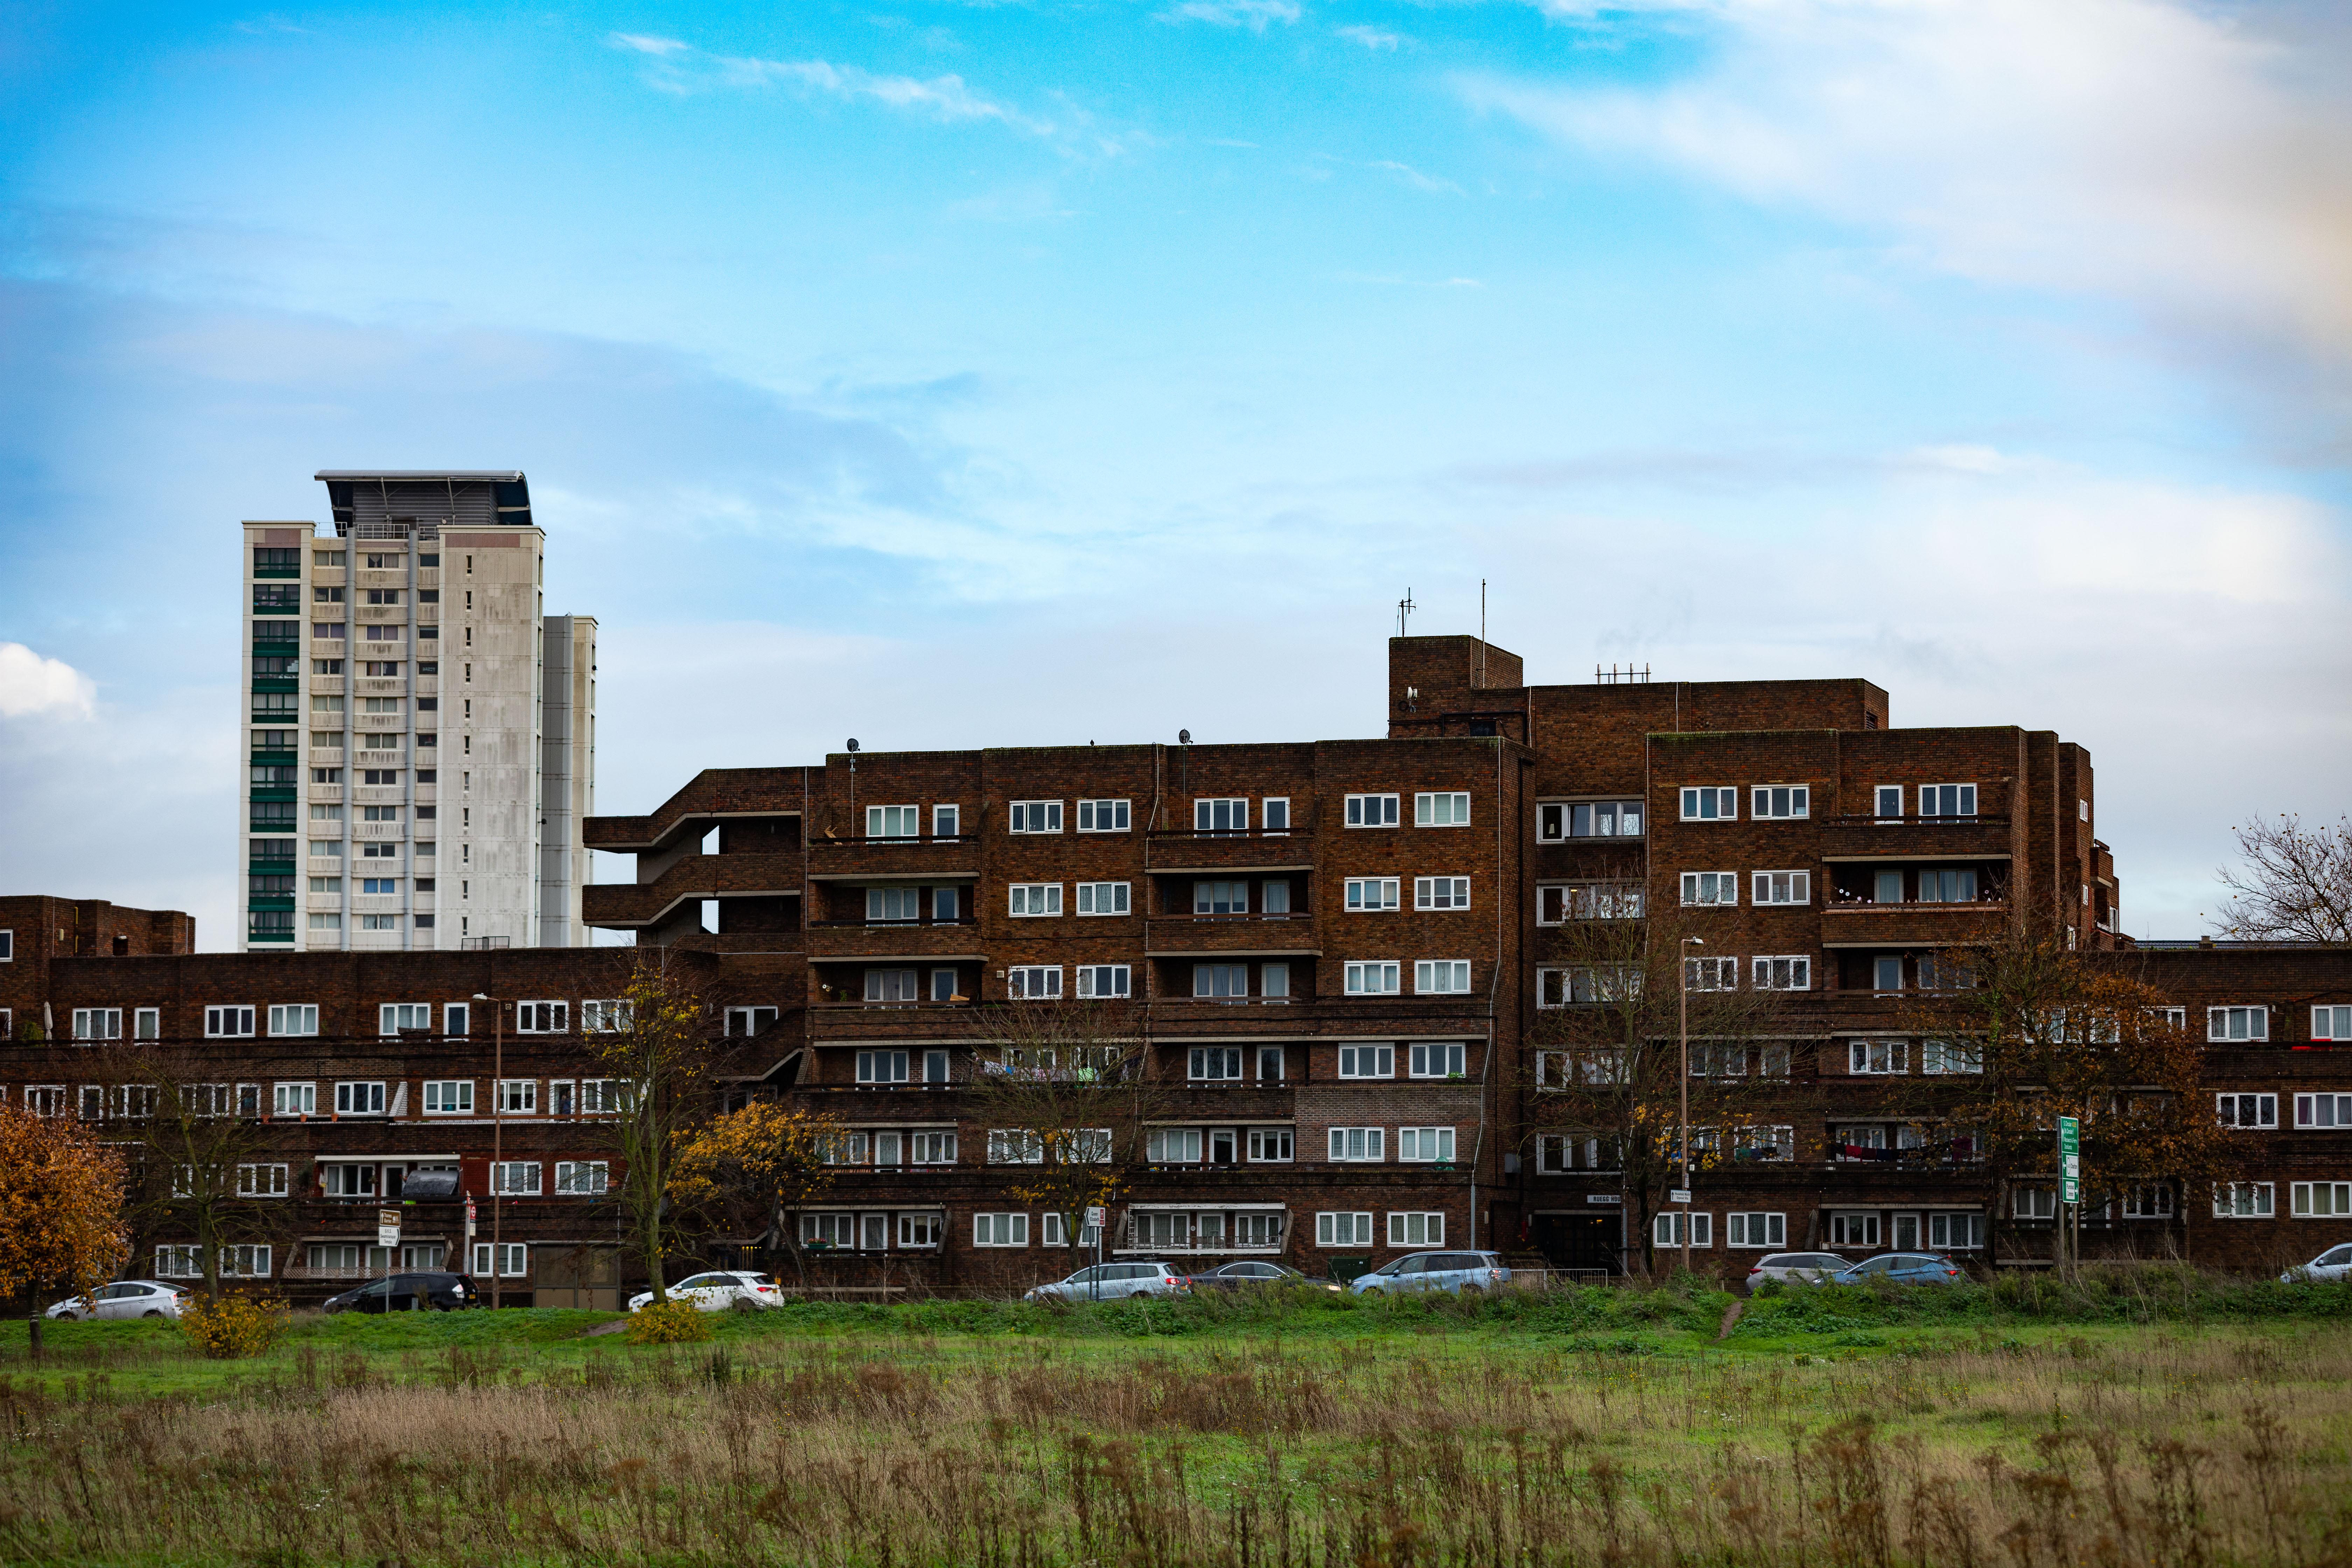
<point x="1796" y="1269"/>
<point x="1114" y="1282"/>
<point x="718" y="1291"/>
<point x="2335" y="1263"/>
<point x="123" y="1298"/>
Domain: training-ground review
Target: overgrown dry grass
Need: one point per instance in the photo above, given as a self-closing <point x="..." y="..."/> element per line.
<point x="2162" y="1448"/>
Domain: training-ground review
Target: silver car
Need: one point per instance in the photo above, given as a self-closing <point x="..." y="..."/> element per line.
<point x="2335" y="1263"/>
<point x="1796" y="1269"/>
<point x="718" y="1291"/>
<point x="1113" y="1282"/>
<point x="123" y="1298"/>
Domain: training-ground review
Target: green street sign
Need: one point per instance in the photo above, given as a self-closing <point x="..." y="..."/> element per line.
<point x="2070" y="1159"/>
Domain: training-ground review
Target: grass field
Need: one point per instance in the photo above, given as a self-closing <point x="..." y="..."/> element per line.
<point x="2153" y="1418"/>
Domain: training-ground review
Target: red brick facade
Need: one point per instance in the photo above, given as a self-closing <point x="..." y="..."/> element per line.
<point x="889" y="902"/>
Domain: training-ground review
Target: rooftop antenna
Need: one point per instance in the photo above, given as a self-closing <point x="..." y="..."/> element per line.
<point x="1482" y="631"/>
<point x="1405" y="607"/>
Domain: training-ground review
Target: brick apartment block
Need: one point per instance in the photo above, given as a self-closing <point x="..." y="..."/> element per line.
<point x="872" y="913"/>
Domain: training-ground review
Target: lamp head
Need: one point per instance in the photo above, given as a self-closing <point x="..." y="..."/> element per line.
<point x="484" y="996"/>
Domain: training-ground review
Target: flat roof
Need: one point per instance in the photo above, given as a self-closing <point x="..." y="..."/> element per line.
<point x="506" y="476"/>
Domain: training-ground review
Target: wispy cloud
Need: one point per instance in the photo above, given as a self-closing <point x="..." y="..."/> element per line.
<point x="1254" y="15"/>
<point x="30" y="684"/>
<point x="1370" y="38"/>
<point x="681" y="68"/>
<point x="1415" y="178"/>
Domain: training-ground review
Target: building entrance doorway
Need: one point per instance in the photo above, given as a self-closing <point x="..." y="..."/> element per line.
<point x="1578" y="1240"/>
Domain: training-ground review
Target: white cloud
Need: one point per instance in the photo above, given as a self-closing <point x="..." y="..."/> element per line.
<point x="2170" y="155"/>
<point x="1370" y="38"/>
<point x="1252" y="13"/>
<point x="1415" y="178"/>
<point x="681" y="68"/>
<point x="30" y="684"/>
<point x="646" y="44"/>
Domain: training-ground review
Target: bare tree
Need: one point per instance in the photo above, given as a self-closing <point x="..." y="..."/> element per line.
<point x="1608" y="1078"/>
<point x="1067" y="1092"/>
<point x="197" y="1169"/>
<point x="2292" y="884"/>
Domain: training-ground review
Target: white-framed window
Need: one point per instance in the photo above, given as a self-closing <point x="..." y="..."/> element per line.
<point x="882" y="1067"/>
<point x="1352" y="1145"/>
<point x="582" y="1178"/>
<point x="829" y="1230"/>
<point x="1103" y="899"/>
<point x="1033" y="898"/>
<point x="2035" y="1202"/>
<point x="1033" y="982"/>
<point x="98" y="1023"/>
<point x="1441" y="976"/>
<point x="1948" y="800"/>
<point x="45" y="1098"/>
<point x="1783" y="971"/>
<point x="8" y="946"/>
<point x="1557" y="903"/>
<point x="1755" y="1230"/>
<point x="1015" y="1146"/>
<point x="1215" y="1063"/>
<point x="893" y="985"/>
<point x="932" y="1149"/>
<point x="1371" y="977"/>
<point x="343" y="1179"/>
<point x="2152" y="1200"/>
<point x="179" y="1262"/>
<point x="605" y="1015"/>
<point x="2237" y="1023"/>
<point x="261" y="1181"/>
<point x="1769" y="887"/>
<point x="1955" y="1230"/>
<point x="1172" y="1145"/>
<point x="1441" y="808"/>
<point x="1422" y="1144"/>
<point x="1035" y="816"/>
<point x="1367" y="895"/>
<point x="1270" y="1062"/>
<point x="2327" y="1111"/>
<point x="1558" y="1153"/>
<point x="1275" y="1144"/>
<point x="945" y="821"/>
<point x="2320" y="1200"/>
<point x="542" y="1017"/>
<point x="1343" y="1228"/>
<point x="1951" y="1055"/>
<point x="1103" y="816"/>
<point x="1711" y="974"/>
<point x="1853" y="1228"/>
<point x="1440" y="892"/>
<point x="1000" y="1230"/>
<point x="359" y="1099"/>
<point x="1588" y="819"/>
<point x="1710" y="804"/>
<point x="1666" y="1229"/>
<point x="603" y="1096"/>
<point x="1368" y="1061"/>
<point x="893" y="822"/>
<point x="245" y="1260"/>
<point x="457" y="1019"/>
<point x="2246" y="1110"/>
<point x="1710" y="887"/>
<point x="2331" y="1023"/>
<point x="294" y="1099"/>
<point x="1054" y="1231"/>
<point x="518" y="1096"/>
<point x="1221" y="980"/>
<point x="2244" y="1200"/>
<point x="1587" y="982"/>
<point x="1886" y="971"/>
<point x="511" y="1259"/>
<point x="1779" y="801"/>
<point x="1220" y="815"/>
<point x="516" y="1178"/>
<point x="1104" y="981"/>
<point x="146" y="1024"/>
<point x="1873" y="1057"/>
<point x="1887" y="800"/>
<point x="394" y="1017"/>
<point x="228" y="1023"/>
<point x="1440" y="1059"/>
<point x="1274" y="815"/>
<point x="293" y="1018"/>
<point x="1372" y="811"/>
<point x="1416" y="1227"/>
<point x="449" y="1097"/>
<point x="924" y="1230"/>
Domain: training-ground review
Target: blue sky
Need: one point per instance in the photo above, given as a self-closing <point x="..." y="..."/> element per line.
<point x="946" y="375"/>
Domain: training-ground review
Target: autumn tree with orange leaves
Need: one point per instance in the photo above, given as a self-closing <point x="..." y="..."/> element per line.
<point x="760" y="1166"/>
<point x="60" y="1211"/>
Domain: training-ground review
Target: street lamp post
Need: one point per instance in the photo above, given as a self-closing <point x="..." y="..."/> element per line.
<point x="497" y="1132"/>
<point x="1682" y="1007"/>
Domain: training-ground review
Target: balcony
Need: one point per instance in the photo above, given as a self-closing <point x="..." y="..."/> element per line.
<point x="1178" y="854"/>
<point x="1915" y="838"/>
<point x="378" y="685"/>
<point x="947" y="858"/>
<point x="1910" y="925"/>
<point x="838" y="941"/>
<point x="321" y="757"/>
<point x="1270" y="936"/>
<point x="379" y="759"/>
<point x="378" y="794"/>
<point x="628" y="905"/>
<point x="329" y="648"/>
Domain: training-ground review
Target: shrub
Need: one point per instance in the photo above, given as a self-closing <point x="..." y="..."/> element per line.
<point x="667" y="1323"/>
<point x="232" y="1327"/>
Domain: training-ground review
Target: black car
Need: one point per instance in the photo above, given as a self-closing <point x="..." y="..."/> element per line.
<point x="1235" y="1276"/>
<point x="408" y="1293"/>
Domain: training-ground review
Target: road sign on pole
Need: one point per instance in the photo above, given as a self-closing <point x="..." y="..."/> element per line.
<point x="2070" y="1159"/>
<point x="387" y="1228"/>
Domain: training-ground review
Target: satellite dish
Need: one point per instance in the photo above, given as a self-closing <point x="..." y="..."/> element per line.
<point x="1184" y="737"/>
<point x="853" y="745"/>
